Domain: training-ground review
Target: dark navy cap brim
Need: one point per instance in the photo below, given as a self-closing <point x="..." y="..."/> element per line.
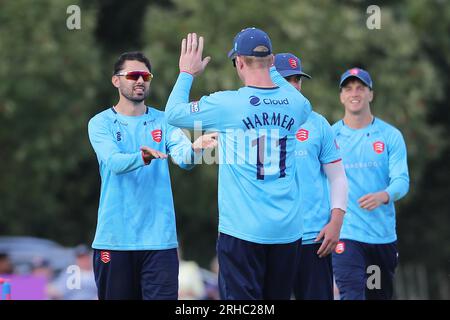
<point x="232" y="54"/>
<point x="354" y="76"/>
<point x="288" y="73"/>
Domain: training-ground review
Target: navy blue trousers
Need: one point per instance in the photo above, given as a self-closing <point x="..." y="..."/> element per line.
<point x="253" y="271"/>
<point x="365" y="271"/>
<point x="314" y="276"/>
<point x="136" y="275"/>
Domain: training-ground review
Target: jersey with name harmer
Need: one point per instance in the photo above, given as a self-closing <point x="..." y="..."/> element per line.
<point x="375" y="159"/>
<point x="136" y="209"/>
<point x="258" y="193"/>
<point x="315" y="147"/>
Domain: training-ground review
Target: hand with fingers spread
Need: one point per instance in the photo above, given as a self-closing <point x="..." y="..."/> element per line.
<point x="191" y="55"/>
<point x="206" y="141"/>
<point x="149" y="154"/>
<point x="330" y="233"/>
<point x="372" y="201"/>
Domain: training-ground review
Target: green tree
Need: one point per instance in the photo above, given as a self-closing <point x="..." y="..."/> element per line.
<point x="49" y="78"/>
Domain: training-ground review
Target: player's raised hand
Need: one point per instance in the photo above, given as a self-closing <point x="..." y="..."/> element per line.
<point x="191" y="55"/>
<point x="206" y="141"/>
<point x="149" y="154"/>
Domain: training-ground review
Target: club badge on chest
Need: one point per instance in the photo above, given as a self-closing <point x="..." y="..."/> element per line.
<point x="157" y="135"/>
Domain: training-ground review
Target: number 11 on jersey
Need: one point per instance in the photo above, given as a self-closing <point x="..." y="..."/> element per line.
<point x="261" y="144"/>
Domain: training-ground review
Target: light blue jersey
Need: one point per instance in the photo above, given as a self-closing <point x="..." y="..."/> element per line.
<point x="315" y="147"/>
<point x="136" y="208"/>
<point x="258" y="190"/>
<point x="375" y="159"/>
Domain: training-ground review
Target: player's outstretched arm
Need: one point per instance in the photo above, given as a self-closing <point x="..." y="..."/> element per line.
<point x="179" y="112"/>
<point x="148" y="154"/>
<point x="337" y="179"/>
<point x="108" y="151"/>
<point x="178" y="109"/>
<point x="398" y="176"/>
<point x="184" y="153"/>
<point x="206" y="141"/>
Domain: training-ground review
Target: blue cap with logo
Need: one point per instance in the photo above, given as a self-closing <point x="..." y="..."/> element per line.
<point x="288" y="64"/>
<point x="249" y="39"/>
<point x="359" y="73"/>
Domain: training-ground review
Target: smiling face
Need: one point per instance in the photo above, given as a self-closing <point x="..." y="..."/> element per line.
<point x="356" y="96"/>
<point x="135" y="91"/>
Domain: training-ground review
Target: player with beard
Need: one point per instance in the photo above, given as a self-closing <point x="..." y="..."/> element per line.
<point x="135" y="244"/>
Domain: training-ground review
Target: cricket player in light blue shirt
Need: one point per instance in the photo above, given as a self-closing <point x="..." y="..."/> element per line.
<point x="319" y="164"/>
<point x="375" y="161"/>
<point x="135" y="244"/>
<point x="259" y="221"/>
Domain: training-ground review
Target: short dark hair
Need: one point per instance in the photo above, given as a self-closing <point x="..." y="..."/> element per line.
<point x="131" y="56"/>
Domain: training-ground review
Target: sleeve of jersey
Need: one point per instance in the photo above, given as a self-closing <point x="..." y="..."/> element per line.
<point x="329" y="152"/>
<point x="338" y="184"/>
<point x="108" y="152"/>
<point x="398" y="168"/>
<point x="282" y="83"/>
<point x="180" y="148"/>
<point x="180" y="113"/>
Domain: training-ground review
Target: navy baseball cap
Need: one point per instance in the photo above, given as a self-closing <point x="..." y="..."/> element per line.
<point x="246" y="41"/>
<point x="359" y="73"/>
<point x="288" y="64"/>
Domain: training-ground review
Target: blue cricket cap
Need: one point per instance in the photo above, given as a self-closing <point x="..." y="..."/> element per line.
<point x="359" y="73"/>
<point x="288" y="64"/>
<point x="246" y="41"/>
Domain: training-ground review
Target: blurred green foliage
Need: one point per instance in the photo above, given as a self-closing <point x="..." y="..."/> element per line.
<point x="54" y="79"/>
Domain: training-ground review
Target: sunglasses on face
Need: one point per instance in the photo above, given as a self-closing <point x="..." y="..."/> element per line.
<point x="135" y="75"/>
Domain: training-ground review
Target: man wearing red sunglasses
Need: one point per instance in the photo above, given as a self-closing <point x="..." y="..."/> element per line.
<point x="135" y="244"/>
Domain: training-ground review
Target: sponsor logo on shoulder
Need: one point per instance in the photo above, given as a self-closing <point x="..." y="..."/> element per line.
<point x="194" y="107"/>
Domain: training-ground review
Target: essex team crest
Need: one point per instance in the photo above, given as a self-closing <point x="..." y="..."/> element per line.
<point x="340" y="247"/>
<point x="293" y="63"/>
<point x="157" y="135"/>
<point x="378" y="147"/>
<point x="105" y="256"/>
<point x="302" y="135"/>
